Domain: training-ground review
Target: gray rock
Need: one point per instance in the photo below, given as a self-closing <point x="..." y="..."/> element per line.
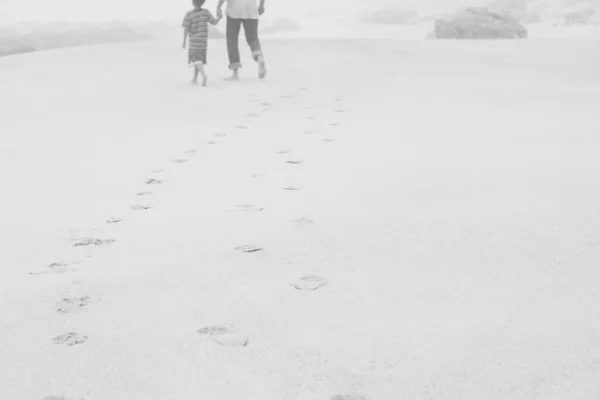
<point x="480" y="23"/>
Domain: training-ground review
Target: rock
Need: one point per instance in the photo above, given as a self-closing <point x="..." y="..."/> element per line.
<point x="480" y="23"/>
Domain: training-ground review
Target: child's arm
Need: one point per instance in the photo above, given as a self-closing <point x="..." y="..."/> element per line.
<point x="187" y="24"/>
<point x="186" y="32"/>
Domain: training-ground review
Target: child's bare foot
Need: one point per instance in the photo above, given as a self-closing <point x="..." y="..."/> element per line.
<point x="194" y="82"/>
<point x="204" y="81"/>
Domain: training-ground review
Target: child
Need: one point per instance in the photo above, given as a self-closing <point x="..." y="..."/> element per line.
<point x="195" y="24"/>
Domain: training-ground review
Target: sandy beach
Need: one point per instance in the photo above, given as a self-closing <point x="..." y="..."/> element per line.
<point x="377" y="220"/>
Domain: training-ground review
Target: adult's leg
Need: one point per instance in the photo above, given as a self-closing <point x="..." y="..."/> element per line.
<point x="233" y="34"/>
<point x="251" y="31"/>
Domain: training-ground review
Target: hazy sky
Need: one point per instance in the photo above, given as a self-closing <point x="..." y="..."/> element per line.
<point x="12" y="11"/>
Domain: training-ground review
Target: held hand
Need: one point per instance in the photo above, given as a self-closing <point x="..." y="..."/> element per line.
<point x="261" y="10"/>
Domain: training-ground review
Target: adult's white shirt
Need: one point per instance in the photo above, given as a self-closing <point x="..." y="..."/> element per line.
<point x="242" y="9"/>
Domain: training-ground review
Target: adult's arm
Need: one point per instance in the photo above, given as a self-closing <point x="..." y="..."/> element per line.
<point x="220" y="8"/>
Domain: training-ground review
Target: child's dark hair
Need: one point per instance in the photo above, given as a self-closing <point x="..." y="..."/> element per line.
<point x="198" y="3"/>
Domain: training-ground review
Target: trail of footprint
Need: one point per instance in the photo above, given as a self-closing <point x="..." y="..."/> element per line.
<point x="70" y="339"/>
<point x="224" y="335"/>
<point x="302" y="221"/>
<point x="70" y="304"/>
<point x="57" y="268"/>
<point x="140" y="207"/>
<point x="57" y="398"/>
<point x="86" y="241"/>
<point x="246" y="207"/>
<point x="311" y="282"/>
<point x="248" y="248"/>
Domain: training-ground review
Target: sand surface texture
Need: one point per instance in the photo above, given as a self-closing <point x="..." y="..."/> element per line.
<point x="376" y="220"/>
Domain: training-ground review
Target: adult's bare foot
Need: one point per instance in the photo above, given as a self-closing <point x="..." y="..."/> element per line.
<point x="262" y="69"/>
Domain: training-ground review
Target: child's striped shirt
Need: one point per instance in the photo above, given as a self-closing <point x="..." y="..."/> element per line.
<point x="197" y="22"/>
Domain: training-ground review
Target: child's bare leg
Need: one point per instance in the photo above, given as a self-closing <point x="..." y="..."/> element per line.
<point x="196" y="72"/>
<point x="200" y="70"/>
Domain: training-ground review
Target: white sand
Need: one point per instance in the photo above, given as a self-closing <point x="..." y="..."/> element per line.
<point x="456" y="214"/>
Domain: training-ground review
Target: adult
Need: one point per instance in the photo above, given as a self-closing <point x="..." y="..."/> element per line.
<point x="246" y="13"/>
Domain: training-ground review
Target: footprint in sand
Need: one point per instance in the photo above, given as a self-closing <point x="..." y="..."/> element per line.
<point x="327" y="140"/>
<point x="179" y="161"/>
<point x="190" y="152"/>
<point x="311" y="282"/>
<point x="294" y="161"/>
<point x="92" y="242"/>
<point x="258" y="175"/>
<point x="143" y="193"/>
<point x="248" y="248"/>
<point x="211" y="142"/>
<point x="284" y="151"/>
<point x="224" y="335"/>
<point x="140" y="207"/>
<point x="219" y="135"/>
<point x="302" y="221"/>
<point x="153" y="181"/>
<point x="252" y="115"/>
<point x="334" y="124"/>
<point x="113" y="220"/>
<point x="349" y="397"/>
<point x="71" y="304"/>
<point x="57" y="268"/>
<point x="158" y="171"/>
<point x="309" y="132"/>
<point x="292" y="189"/>
<point x="70" y="339"/>
<point x="247" y="207"/>
<point x="57" y="398"/>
